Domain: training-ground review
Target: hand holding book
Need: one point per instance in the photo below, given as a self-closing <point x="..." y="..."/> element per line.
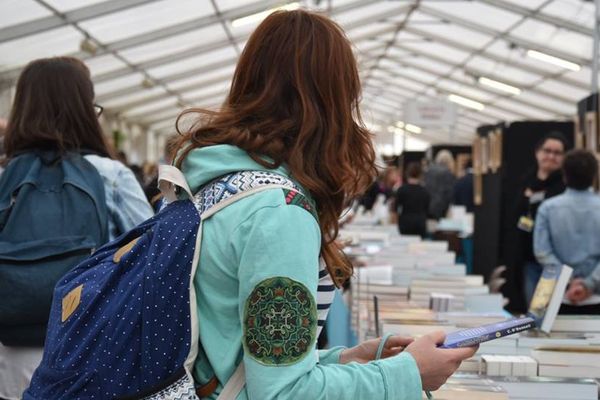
<point x="436" y="365"/>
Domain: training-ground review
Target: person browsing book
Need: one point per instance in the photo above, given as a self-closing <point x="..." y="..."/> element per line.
<point x="567" y="231"/>
<point x="291" y="115"/>
<point x="412" y="202"/>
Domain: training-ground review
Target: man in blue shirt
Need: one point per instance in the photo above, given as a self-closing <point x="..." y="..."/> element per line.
<point x="567" y="231"/>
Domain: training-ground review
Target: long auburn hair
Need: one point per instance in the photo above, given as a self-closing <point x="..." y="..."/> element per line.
<point x="294" y="99"/>
<point x="54" y="109"/>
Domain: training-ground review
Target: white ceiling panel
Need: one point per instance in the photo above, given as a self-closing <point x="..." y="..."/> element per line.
<point x="112" y="85"/>
<point x="577" y="11"/>
<point x="146" y="18"/>
<point x="56" y="42"/>
<point x="14" y="12"/>
<point x="174" y="44"/>
<point x="193" y="62"/>
<point x="103" y="64"/>
<point x="70" y="5"/>
<point x="433" y="55"/>
<point x="481" y="13"/>
<point x="224" y="74"/>
<point x="122" y="101"/>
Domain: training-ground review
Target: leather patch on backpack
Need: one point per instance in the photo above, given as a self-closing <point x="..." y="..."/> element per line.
<point x="70" y="302"/>
<point x="124" y="250"/>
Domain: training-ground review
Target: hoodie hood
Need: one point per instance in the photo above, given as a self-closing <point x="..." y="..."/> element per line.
<point x="206" y="164"/>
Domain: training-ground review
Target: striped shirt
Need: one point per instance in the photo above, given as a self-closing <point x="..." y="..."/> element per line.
<point x="325" y="294"/>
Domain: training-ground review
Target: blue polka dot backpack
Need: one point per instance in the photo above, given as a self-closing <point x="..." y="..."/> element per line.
<point x="123" y="323"/>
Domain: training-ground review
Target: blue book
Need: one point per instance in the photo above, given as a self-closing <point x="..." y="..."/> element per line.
<point x="472" y="336"/>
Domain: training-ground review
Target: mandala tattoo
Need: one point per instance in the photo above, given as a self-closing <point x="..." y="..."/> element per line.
<point x="280" y="322"/>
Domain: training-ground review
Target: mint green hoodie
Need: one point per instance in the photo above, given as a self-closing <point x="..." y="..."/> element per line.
<point x="255" y="253"/>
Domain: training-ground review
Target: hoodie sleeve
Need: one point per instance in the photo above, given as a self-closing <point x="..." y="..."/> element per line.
<point x="277" y="249"/>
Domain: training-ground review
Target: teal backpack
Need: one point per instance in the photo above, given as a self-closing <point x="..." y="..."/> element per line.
<point x="52" y="215"/>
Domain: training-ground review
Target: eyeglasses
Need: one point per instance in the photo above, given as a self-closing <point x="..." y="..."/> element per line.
<point x="557" y="153"/>
<point x="98" y="109"/>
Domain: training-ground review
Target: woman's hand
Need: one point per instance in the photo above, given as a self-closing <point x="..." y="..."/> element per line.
<point x="365" y="352"/>
<point x="435" y="364"/>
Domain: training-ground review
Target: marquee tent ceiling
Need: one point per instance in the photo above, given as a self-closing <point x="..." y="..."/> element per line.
<point x="152" y="58"/>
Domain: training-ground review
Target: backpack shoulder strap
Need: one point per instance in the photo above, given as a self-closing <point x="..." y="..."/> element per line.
<point x="235" y="384"/>
<point x="230" y="188"/>
<point x="169" y="179"/>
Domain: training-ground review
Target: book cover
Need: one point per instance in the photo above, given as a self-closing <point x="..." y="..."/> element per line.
<point x="473" y="336"/>
<point x="548" y="296"/>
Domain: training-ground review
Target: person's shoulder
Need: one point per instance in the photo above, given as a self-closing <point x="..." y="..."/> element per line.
<point x="276" y="203"/>
<point x="107" y="167"/>
<point x="556" y="201"/>
<point x="595" y="198"/>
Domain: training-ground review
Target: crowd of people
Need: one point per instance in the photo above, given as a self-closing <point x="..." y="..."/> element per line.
<point x="418" y="193"/>
<point x="556" y="214"/>
<point x="291" y="119"/>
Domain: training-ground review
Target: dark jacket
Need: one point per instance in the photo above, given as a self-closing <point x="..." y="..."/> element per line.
<point x="413" y="205"/>
<point x="439" y="182"/>
<point x="463" y="192"/>
<point x="528" y="205"/>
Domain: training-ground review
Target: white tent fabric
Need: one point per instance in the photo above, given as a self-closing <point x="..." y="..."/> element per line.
<point x="150" y="59"/>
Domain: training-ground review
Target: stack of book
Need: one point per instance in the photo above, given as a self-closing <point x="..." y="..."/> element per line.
<point x="458" y="286"/>
<point x="504" y="346"/>
<point x="577" y="324"/>
<point x="415" y="328"/>
<point x="440" y="302"/>
<point x="508" y="365"/>
<point x="377" y="280"/>
<point x="543" y="388"/>
<point x="527" y="342"/>
<point x="470" y="387"/>
<point x="568" y="361"/>
<point x="518" y="388"/>
<point x="471" y="319"/>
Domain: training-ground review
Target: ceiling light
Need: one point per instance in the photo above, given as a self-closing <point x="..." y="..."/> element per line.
<point x="553" y="60"/>
<point x="413" y="128"/>
<point x="499" y="86"/>
<point x="147" y="83"/>
<point x="88" y="46"/>
<point x="400" y="124"/>
<point x="463" y="101"/>
<point x="253" y="18"/>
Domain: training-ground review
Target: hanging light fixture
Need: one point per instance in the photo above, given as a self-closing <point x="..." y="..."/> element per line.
<point x="559" y="62"/>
